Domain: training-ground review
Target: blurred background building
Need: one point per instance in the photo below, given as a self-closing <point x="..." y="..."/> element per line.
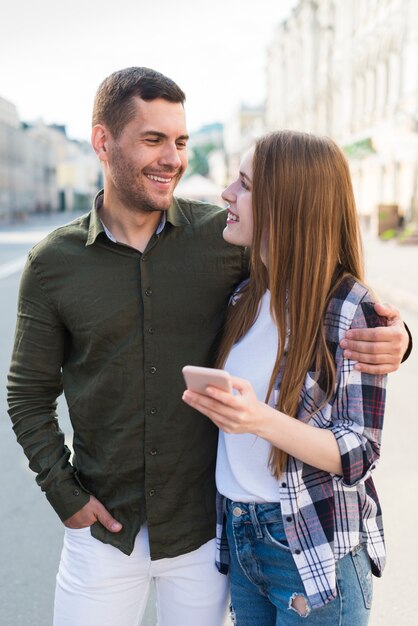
<point x="41" y="169"/>
<point x="349" y="69"/>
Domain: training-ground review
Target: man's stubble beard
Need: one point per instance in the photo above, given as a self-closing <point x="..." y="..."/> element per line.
<point x="132" y="193"/>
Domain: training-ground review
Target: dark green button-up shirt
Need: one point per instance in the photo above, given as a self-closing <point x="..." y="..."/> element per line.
<point x="113" y="328"/>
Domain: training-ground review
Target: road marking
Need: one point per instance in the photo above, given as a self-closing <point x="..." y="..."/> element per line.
<point x="12" y="237"/>
<point x="10" y="268"/>
<point x="26" y="236"/>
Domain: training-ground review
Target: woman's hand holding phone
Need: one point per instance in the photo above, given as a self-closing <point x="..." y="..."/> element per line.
<point x="210" y="392"/>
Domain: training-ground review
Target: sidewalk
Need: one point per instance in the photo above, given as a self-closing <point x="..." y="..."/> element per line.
<point x="392" y="271"/>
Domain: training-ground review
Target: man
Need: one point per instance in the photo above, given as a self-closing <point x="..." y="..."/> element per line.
<point x="111" y="307"/>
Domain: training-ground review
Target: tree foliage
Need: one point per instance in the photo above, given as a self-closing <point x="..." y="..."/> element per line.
<point x="198" y="160"/>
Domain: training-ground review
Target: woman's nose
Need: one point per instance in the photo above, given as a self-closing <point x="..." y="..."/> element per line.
<point x="228" y="195"/>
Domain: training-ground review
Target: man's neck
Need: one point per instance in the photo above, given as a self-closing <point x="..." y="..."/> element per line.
<point x="133" y="228"/>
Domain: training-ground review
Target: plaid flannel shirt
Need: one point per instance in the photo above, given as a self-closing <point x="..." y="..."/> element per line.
<point x="330" y="515"/>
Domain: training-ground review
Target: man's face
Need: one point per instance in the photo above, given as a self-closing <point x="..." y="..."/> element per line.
<point x="149" y="157"/>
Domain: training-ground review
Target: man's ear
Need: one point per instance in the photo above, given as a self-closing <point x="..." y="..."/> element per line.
<point x="100" y="141"/>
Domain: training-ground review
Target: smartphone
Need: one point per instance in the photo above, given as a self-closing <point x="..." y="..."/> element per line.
<point x="198" y="378"/>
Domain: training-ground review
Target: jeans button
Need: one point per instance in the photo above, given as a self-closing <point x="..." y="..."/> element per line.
<point x="236" y="511"/>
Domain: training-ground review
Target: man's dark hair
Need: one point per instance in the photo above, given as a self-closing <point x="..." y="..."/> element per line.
<point x="114" y="104"/>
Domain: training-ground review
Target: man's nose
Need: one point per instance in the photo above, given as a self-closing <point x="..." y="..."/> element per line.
<point x="170" y="156"/>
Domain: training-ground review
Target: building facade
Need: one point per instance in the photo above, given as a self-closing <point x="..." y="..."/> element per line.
<point x="348" y="69"/>
<point x="41" y="169"/>
<point x="11" y="157"/>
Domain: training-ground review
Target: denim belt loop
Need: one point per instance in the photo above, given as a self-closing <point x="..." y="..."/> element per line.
<point x="254" y="519"/>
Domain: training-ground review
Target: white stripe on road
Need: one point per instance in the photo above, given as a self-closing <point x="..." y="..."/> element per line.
<point x="10" y="268"/>
<point x="11" y="237"/>
<point x="26" y="236"/>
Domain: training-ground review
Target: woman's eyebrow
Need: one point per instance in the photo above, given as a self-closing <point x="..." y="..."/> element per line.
<point x="243" y="175"/>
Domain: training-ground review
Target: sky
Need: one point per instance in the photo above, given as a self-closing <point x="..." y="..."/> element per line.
<point x="53" y="55"/>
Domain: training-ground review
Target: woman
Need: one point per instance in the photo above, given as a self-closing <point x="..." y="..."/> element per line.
<point x="301" y="435"/>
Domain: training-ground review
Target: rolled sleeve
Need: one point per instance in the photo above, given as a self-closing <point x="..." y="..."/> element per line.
<point x="358" y="410"/>
<point x="34" y="384"/>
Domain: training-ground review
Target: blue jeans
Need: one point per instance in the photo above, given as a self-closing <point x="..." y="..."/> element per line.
<point x="266" y="588"/>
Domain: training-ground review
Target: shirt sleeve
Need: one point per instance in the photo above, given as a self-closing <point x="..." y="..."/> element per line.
<point x="34" y="384"/>
<point x="358" y="410"/>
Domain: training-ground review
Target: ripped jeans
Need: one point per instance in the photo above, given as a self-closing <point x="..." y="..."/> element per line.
<point x="266" y="588"/>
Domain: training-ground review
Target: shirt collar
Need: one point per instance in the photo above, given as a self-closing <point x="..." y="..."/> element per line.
<point x="95" y="226"/>
<point x="174" y="215"/>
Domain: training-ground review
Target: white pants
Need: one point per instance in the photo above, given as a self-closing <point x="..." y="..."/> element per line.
<point x="97" y="585"/>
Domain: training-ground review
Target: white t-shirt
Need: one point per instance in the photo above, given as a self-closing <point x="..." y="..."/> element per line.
<point x="242" y="471"/>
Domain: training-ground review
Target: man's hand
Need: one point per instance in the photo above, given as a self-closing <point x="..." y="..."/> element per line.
<point x="378" y="350"/>
<point x="92" y="512"/>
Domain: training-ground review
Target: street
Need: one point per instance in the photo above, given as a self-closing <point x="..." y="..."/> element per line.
<point x="31" y="533"/>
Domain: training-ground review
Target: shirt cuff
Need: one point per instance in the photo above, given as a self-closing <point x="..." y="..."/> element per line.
<point x="68" y="498"/>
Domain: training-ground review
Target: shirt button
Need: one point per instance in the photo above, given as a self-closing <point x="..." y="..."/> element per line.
<point x="151" y="330"/>
<point x="148" y="292"/>
<point x="152" y="369"/>
<point x="283" y="484"/>
<point x="151" y="492"/>
<point x="297" y="551"/>
<point x="76" y="492"/>
<point x="153" y="452"/>
<point x="153" y="410"/>
<point x="236" y="511"/>
<point x="288" y="519"/>
<point x="143" y="259"/>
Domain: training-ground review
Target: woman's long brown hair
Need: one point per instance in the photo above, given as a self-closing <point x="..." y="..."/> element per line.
<point x="304" y="211"/>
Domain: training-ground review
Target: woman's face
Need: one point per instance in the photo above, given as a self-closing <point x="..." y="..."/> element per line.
<point x="239" y="223"/>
